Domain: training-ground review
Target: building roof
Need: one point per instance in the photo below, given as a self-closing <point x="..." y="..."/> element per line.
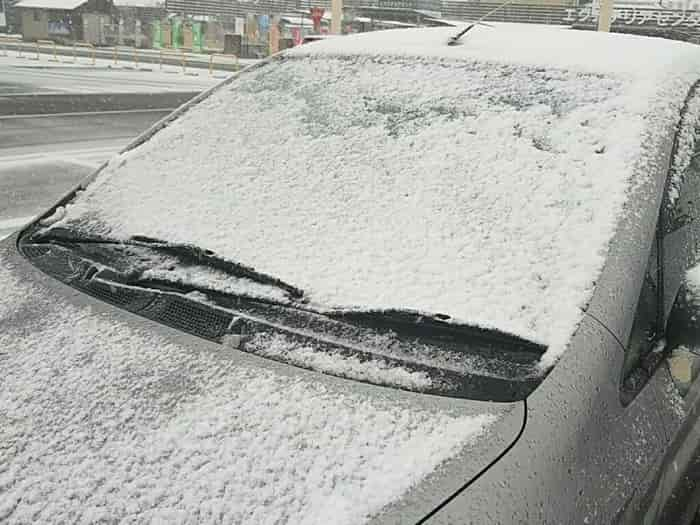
<point x="67" y="5"/>
<point x="297" y="20"/>
<point x="140" y="3"/>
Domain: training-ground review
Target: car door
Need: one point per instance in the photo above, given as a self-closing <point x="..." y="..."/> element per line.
<point x="674" y="495"/>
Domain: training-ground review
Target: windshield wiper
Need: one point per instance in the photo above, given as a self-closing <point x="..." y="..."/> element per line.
<point x="405" y="321"/>
<point x="185" y="254"/>
<point x="435" y="325"/>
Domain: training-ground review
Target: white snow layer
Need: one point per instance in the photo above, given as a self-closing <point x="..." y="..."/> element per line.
<point x="551" y="47"/>
<point x="685" y="147"/>
<point x="377" y="371"/>
<point x="104" y="422"/>
<point x="217" y="280"/>
<point x="482" y="181"/>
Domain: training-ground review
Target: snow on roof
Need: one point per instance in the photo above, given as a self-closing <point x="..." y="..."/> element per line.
<point x="483" y="181"/>
<point x="104" y="422"/>
<point x="67" y="5"/>
<point x="525" y="44"/>
<point x="322" y="36"/>
<point x="394" y="23"/>
<point x="139" y="3"/>
<point x="297" y="20"/>
<point x="446" y="22"/>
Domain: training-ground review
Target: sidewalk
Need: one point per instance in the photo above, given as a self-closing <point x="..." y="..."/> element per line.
<point x="125" y="56"/>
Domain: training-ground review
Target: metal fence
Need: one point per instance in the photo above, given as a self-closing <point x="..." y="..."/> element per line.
<point x="521" y="13"/>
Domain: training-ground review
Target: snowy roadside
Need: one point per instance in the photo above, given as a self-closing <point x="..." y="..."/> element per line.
<point x="9" y="226"/>
<point x="79" y="75"/>
<point x="126" y="54"/>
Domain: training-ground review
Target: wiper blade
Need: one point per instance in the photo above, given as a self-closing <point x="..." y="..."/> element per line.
<point x="434" y="324"/>
<point x="187" y="254"/>
<point x="195" y="255"/>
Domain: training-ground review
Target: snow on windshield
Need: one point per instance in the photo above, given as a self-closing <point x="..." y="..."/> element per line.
<point x="484" y="191"/>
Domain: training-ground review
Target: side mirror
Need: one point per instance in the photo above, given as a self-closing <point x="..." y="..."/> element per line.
<point x="683" y="339"/>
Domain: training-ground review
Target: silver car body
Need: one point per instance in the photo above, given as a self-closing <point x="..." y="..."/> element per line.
<point x="574" y="451"/>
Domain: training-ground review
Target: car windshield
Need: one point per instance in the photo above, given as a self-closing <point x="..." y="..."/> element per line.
<point x="386" y="183"/>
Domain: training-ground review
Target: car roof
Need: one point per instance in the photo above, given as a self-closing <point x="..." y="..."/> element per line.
<point x="523" y="44"/>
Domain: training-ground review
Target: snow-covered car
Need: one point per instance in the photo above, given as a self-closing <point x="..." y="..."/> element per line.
<point x="380" y="279"/>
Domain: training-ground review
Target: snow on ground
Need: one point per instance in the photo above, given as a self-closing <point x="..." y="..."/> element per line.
<point x="82" y="77"/>
<point x="482" y="181"/>
<point x="139" y="3"/>
<point x="9" y="226"/>
<point x="103" y="421"/>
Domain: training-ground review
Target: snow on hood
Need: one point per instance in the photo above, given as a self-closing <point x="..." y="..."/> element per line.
<point x="103" y="421"/>
<point x="482" y="181"/>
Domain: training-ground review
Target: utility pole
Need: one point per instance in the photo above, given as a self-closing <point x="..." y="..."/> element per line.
<point x="336" y="16"/>
<point x="605" y="15"/>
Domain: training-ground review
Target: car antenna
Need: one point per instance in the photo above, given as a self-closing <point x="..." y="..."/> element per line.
<point x="454" y="40"/>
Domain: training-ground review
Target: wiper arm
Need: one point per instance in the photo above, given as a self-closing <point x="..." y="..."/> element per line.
<point x="434" y="324"/>
<point x="187" y="254"/>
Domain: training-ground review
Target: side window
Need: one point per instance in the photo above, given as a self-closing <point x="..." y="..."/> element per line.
<point x="681" y="210"/>
<point x="639" y="363"/>
<point x="682" y="252"/>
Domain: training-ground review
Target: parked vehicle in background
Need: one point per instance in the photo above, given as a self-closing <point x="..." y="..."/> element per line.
<point x="315" y="38"/>
<point x="379" y="279"/>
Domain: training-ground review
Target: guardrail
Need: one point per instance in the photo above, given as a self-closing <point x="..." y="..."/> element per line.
<point x="4" y="40"/>
<point x="120" y="55"/>
<point x="162" y="52"/>
<point x="135" y="56"/>
<point x="48" y="43"/>
<point x="222" y="55"/>
<point x="87" y="45"/>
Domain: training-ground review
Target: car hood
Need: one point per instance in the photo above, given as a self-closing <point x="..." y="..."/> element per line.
<point x="107" y="415"/>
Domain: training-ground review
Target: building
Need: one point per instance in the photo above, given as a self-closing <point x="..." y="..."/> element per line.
<point x="135" y="23"/>
<point x="223" y="9"/>
<point x="60" y="20"/>
<point x="3" y="16"/>
<point x="8" y="20"/>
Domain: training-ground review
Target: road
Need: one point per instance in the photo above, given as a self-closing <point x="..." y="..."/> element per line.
<point x="59" y="122"/>
<point x="42" y="157"/>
